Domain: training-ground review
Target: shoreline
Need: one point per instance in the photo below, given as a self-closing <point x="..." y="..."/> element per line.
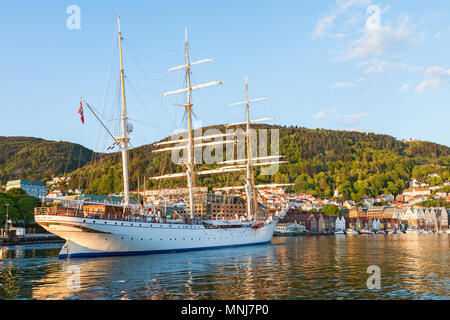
<point x="31" y="239"/>
<point x="302" y="234"/>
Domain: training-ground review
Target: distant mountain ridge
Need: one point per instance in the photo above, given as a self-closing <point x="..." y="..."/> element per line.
<point x="320" y="161"/>
<point x="39" y="159"/>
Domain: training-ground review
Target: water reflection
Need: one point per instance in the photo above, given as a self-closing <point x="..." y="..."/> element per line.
<point x="412" y="266"/>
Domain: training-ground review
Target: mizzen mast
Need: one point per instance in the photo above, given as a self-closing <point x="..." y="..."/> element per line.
<point x="250" y="189"/>
<point x="124" y="139"/>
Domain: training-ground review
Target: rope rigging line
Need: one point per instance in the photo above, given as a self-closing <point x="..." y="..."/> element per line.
<point x="146" y="76"/>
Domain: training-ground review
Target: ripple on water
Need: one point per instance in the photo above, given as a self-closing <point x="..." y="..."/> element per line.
<point x="412" y="267"/>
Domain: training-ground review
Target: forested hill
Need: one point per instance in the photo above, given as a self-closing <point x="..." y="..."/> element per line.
<point x="39" y="159"/>
<point x="355" y="163"/>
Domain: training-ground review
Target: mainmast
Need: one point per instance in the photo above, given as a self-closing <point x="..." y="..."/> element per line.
<point x="124" y="139"/>
<point x="190" y="163"/>
<point x="190" y="173"/>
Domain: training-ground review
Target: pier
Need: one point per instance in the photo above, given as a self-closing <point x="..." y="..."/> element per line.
<point x="30" y="239"/>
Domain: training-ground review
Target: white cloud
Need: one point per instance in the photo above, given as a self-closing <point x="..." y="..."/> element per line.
<point x="324" y="114"/>
<point x="323" y="25"/>
<point x="351" y="119"/>
<point x="341" y="85"/>
<point x="437" y="77"/>
<point x="320" y="115"/>
<point x="344" y="5"/>
<point x="405" y="87"/>
<point x="375" y="66"/>
<point x="377" y="41"/>
<point x="342" y="119"/>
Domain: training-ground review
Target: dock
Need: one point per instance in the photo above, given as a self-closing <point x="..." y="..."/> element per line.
<point x="31" y="239"/>
<point x="301" y="234"/>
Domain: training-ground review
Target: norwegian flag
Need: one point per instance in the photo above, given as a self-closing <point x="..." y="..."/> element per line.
<point x="80" y="112"/>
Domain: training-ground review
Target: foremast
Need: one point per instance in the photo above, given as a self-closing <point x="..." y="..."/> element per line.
<point x="124" y="138"/>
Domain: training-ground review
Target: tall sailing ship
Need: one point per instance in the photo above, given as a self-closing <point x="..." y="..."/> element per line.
<point x="128" y="228"/>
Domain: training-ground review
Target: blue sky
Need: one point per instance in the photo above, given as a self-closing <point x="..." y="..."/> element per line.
<point x="372" y="66"/>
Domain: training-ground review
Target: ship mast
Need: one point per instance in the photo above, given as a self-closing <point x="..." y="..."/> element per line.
<point x="251" y="194"/>
<point x="124" y="139"/>
<point x="190" y="173"/>
<point x="190" y="156"/>
<point x="252" y="203"/>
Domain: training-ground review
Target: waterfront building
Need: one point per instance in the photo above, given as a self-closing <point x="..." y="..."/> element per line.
<point x="290" y="228"/>
<point x="340" y="224"/>
<point x="442" y="218"/>
<point x="358" y="224"/>
<point x="32" y="188"/>
<point x="376" y="224"/>
<point x="321" y="227"/>
<point x="375" y="212"/>
<point x="330" y="223"/>
<point x="311" y="223"/>
<point x="357" y="213"/>
<point x="212" y="206"/>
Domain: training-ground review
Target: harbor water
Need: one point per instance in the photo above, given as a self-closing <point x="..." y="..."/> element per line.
<point x="411" y="266"/>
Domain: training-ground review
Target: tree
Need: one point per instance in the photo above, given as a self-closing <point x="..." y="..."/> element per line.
<point x="25" y="207"/>
<point x="16" y="192"/>
<point x="331" y="210"/>
<point x="12" y="210"/>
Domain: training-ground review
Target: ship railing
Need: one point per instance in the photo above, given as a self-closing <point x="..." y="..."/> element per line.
<point x="79" y="213"/>
<point x="100" y="215"/>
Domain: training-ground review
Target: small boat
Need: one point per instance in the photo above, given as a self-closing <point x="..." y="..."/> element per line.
<point x="410" y="231"/>
<point x="351" y="232"/>
<point x="364" y="231"/>
<point x="339" y="232"/>
<point x="380" y="232"/>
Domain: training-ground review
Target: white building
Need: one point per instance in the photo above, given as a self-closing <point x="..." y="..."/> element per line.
<point x="339" y="224"/>
<point x="290" y="228"/>
<point x="32" y="188"/>
<point x="442" y="218"/>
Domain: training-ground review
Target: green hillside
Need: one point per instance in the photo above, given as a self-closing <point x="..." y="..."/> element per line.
<point x="39" y="159"/>
<point x="320" y="161"/>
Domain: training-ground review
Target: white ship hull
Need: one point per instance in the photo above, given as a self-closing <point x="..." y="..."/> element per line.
<point x="95" y="237"/>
